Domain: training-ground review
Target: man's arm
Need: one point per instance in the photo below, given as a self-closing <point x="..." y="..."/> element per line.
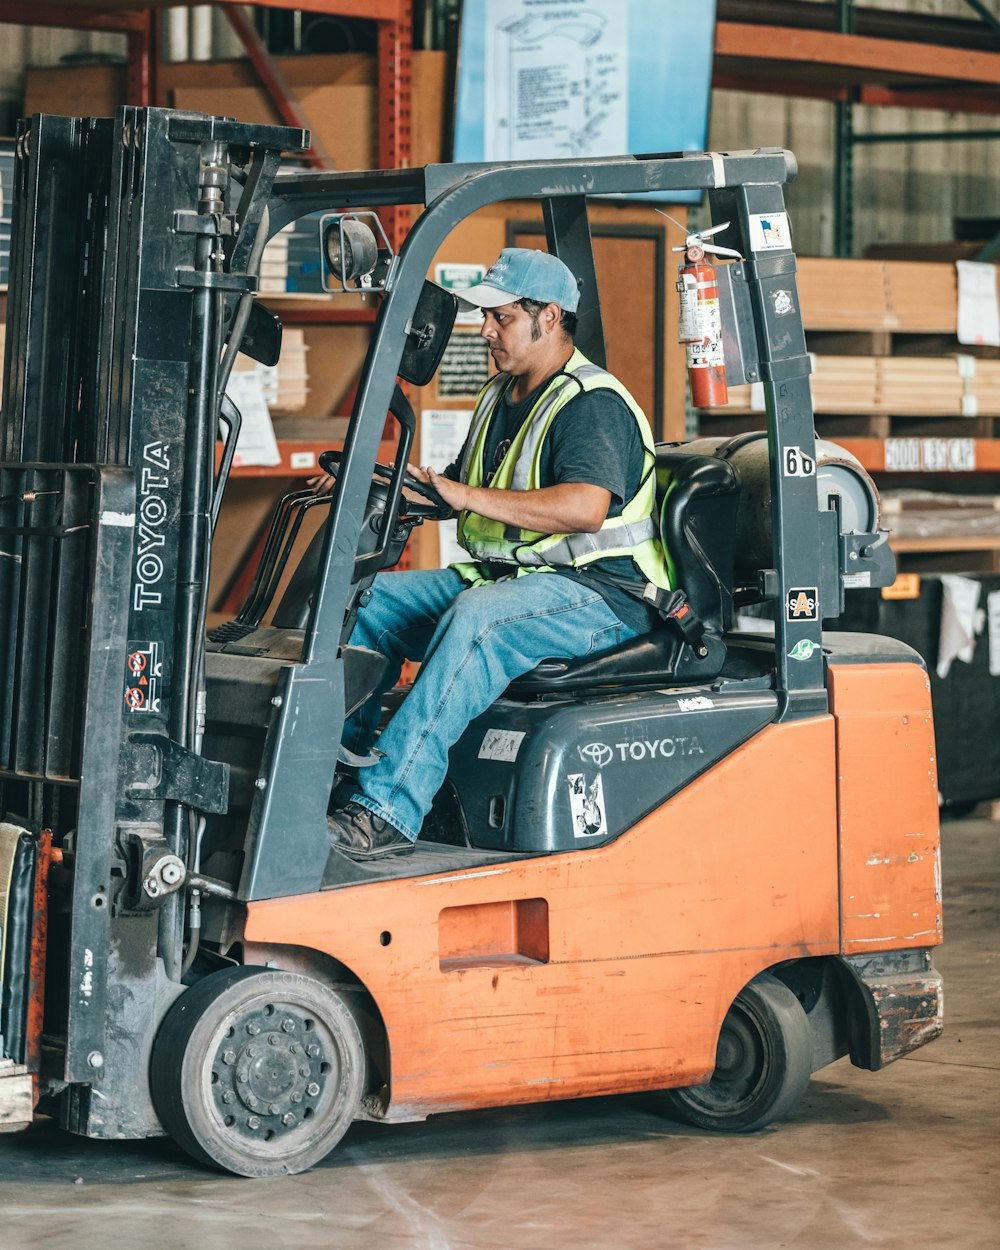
<point x="568" y="508"/>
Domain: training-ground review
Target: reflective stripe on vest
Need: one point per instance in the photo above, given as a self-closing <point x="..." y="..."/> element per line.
<point x="485" y="406"/>
<point x="634" y="533"/>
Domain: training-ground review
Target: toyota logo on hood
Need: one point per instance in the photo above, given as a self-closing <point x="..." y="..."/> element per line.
<point x="596" y="753"/>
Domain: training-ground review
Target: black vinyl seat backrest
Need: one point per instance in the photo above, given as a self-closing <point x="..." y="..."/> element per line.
<point x="697" y="496"/>
<point x="696" y="499"/>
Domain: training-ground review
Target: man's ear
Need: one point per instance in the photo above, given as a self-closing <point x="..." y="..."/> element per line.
<point x="553" y="316"/>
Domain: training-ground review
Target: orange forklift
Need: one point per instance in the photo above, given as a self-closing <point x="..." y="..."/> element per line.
<point x="705" y="862"/>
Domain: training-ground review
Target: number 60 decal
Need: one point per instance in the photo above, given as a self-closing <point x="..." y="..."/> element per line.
<point x="798" y="464"/>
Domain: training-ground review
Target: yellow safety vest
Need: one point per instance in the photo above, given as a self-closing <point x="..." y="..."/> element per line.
<point x="634" y="533"/>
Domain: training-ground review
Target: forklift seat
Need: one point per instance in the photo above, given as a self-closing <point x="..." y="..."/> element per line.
<point x="696" y="496"/>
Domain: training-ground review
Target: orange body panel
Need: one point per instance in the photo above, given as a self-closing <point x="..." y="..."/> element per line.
<point x="889" y="842"/>
<point x="649" y="939"/>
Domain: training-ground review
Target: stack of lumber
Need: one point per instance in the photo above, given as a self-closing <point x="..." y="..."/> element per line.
<point x="939" y="386"/>
<point x="907" y="296"/>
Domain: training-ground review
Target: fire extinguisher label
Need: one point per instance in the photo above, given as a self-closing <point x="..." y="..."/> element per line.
<point x="687" y="326"/>
<point x="704" y="346"/>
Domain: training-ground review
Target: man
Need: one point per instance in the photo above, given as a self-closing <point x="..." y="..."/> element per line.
<point x="554" y="493"/>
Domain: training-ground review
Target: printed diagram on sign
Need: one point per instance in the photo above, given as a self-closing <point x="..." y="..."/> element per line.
<point x="143" y="676"/>
<point x="586" y="804"/>
<point x="557" y="83"/>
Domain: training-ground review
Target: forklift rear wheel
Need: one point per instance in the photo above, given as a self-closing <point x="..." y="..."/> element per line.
<point x="257" y="1072"/>
<point x="762" y="1067"/>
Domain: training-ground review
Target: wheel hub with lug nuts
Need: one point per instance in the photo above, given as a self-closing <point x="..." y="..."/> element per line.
<point x="268" y="1073"/>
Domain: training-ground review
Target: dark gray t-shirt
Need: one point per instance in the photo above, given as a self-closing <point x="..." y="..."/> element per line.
<point x="594" y="439"/>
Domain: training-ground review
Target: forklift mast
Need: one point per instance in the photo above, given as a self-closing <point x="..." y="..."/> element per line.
<point x="136" y="243"/>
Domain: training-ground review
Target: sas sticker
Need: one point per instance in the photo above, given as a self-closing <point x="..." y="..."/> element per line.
<point x="803" y="649"/>
<point x="586" y="805"/>
<point x="802" y="604"/>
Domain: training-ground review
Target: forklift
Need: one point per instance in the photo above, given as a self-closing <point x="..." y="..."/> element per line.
<point x="705" y="862"/>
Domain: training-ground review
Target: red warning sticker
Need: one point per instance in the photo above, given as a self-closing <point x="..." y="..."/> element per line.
<point x="143" y="675"/>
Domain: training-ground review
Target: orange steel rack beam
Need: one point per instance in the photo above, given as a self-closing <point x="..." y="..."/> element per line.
<point x="824" y="65"/>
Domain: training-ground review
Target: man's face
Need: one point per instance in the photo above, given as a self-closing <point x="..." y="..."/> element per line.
<point x="516" y="339"/>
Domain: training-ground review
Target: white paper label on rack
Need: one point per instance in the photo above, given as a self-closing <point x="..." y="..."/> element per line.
<point x="442" y="435"/>
<point x="757" y="401"/>
<point x="257" y="444"/>
<point x="978" y="304"/>
<point x="857" y="581"/>
<point x="769" y="232"/>
<point x="930" y="455"/>
<point x="302" y="460"/>
<point x="993" y="624"/>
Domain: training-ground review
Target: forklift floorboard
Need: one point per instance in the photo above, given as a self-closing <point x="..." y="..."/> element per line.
<point x="907" y="1157"/>
<point x="426" y="859"/>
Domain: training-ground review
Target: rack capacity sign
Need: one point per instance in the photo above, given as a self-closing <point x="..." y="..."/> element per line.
<point x="930" y="455"/>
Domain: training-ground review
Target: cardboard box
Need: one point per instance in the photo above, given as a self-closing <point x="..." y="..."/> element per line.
<point x="74" y="90"/>
<point x="336" y="94"/>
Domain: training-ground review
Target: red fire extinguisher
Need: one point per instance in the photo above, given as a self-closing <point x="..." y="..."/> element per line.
<point x="700" y="328"/>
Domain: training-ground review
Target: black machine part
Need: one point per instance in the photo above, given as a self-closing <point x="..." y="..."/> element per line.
<point x="853" y="552"/>
<point x="18" y="859"/>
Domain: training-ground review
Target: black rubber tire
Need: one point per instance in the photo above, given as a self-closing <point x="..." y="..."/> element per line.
<point x="763" y="1063"/>
<point x="244" y="1050"/>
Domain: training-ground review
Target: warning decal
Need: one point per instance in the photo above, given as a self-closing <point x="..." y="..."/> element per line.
<point x="143" y="675"/>
<point x="586" y="805"/>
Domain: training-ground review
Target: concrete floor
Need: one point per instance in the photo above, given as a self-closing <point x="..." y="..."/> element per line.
<point x="903" y="1158"/>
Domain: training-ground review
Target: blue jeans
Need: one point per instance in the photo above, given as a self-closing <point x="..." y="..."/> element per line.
<point x="471" y="643"/>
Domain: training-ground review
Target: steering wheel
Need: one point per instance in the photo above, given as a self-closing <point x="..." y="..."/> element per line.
<point x="434" y="509"/>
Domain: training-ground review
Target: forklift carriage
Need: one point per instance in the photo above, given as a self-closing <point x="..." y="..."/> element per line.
<point x="705" y="862"/>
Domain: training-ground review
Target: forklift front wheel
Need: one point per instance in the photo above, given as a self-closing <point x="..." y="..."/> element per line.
<point x="258" y="1072"/>
<point x="762" y="1067"/>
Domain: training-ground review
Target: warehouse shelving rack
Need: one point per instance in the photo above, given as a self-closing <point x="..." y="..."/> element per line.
<point x="139" y="22"/>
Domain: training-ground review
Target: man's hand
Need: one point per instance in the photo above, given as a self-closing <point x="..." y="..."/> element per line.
<point x="569" y="508"/>
<point x="321" y="484"/>
<point x="453" y="493"/>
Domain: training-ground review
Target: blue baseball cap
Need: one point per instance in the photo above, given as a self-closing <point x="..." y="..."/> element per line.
<point x="524" y="273"/>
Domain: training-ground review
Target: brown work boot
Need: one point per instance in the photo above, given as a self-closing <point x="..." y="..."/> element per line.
<point x="360" y="834"/>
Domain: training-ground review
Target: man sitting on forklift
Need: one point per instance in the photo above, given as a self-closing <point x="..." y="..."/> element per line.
<point x="554" y="492"/>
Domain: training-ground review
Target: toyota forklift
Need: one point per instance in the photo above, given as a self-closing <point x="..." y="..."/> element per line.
<point x="705" y="862"/>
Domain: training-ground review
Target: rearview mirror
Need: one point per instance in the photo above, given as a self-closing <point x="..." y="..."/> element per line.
<point x="427" y="334"/>
<point x="262" y="337"/>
